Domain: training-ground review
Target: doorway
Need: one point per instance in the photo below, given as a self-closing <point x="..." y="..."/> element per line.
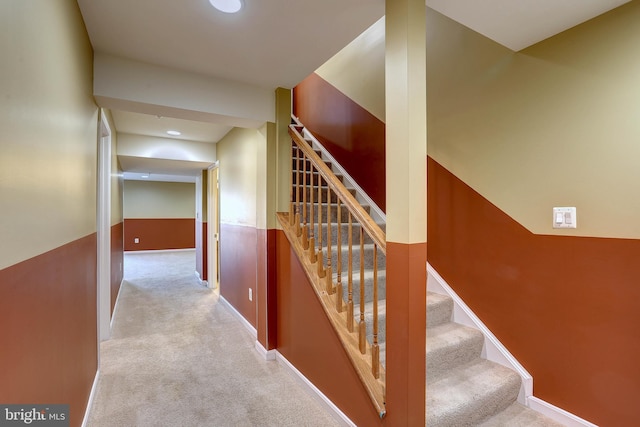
<point x="213" y="229"/>
<point x="104" y="229"/>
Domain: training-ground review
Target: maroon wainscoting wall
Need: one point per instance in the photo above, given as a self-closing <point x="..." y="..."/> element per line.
<point x="158" y="234"/>
<point x="406" y="333"/>
<point x="353" y="136"/>
<point x="117" y="261"/>
<point x="568" y="308"/>
<point x="266" y="289"/>
<point x="307" y="339"/>
<point x="238" y="265"/>
<point x="201" y="250"/>
<point x="48" y="333"/>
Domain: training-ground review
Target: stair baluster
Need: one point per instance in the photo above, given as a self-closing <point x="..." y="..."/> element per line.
<point x="291" y="203"/>
<point x="350" y="276"/>
<point x="320" y="265"/>
<point x="305" y="227"/>
<point x="312" y="240"/>
<point x="339" y="266"/>
<point x="329" y="270"/>
<point x="362" y="325"/>
<point x="375" y="348"/>
<point x="296" y="219"/>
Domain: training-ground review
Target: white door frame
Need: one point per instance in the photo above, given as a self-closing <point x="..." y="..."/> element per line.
<point x="104" y="230"/>
<point x="212" y="225"/>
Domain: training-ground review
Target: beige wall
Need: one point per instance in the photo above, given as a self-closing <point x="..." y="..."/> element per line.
<point x="238" y="156"/>
<point x="117" y="178"/>
<point x="153" y="199"/>
<point x="48" y="143"/>
<point x="553" y="125"/>
<point x="358" y="70"/>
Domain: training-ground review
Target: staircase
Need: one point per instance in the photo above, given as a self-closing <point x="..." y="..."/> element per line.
<point x="347" y="268"/>
<point x="462" y="388"/>
<point x="337" y="230"/>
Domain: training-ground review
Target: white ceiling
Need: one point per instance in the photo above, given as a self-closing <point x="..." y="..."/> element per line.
<point x="146" y="124"/>
<point x="277" y="43"/>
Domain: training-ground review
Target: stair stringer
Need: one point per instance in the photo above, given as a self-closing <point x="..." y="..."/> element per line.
<point x="493" y="350"/>
<point x="361" y="196"/>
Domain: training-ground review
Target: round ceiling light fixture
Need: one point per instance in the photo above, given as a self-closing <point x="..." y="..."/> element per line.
<point x="174" y="133"/>
<point x="227" y="6"/>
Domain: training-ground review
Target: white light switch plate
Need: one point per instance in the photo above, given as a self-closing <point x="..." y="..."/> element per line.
<point x="565" y="217"/>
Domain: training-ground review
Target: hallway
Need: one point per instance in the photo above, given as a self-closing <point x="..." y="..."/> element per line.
<point x="178" y="357"/>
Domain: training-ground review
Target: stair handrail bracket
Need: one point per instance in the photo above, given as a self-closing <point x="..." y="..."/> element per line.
<point x="330" y="232"/>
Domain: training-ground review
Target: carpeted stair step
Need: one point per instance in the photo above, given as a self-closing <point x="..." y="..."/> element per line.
<point x="344" y="213"/>
<point x="323" y="194"/>
<point x="355" y="254"/>
<point x="306" y="177"/>
<point x="368" y="320"/>
<point x="355" y="229"/>
<point x="450" y="345"/>
<point x="368" y="286"/>
<point x="470" y="394"/>
<point x="439" y="309"/>
<point x="518" y="415"/>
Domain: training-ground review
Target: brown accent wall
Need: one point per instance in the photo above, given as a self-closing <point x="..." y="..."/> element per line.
<point x="307" y="340"/>
<point x="353" y="136"/>
<point x="159" y="233"/>
<point x="117" y="261"/>
<point x="266" y="288"/>
<point x="568" y="308"/>
<point x="406" y="333"/>
<point x="48" y="334"/>
<point x="202" y="250"/>
<point x="238" y="265"/>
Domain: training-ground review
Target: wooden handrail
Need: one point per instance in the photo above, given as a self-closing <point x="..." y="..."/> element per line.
<point x="313" y="246"/>
<point x="373" y="230"/>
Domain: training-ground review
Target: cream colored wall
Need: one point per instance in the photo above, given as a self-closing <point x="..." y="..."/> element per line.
<point x="238" y="156"/>
<point x="48" y="143"/>
<point x="554" y="125"/>
<point x="117" y="178"/>
<point x="358" y="70"/>
<point x="153" y="199"/>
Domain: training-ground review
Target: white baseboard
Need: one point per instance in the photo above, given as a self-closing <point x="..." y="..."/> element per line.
<point x="266" y="354"/>
<point x="159" y="251"/>
<point x="115" y="306"/>
<point x="493" y="349"/>
<point x="558" y="414"/>
<point x="202" y="282"/>
<point x="245" y="322"/>
<point x="92" y="394"/>
<point x="337" y="414"/>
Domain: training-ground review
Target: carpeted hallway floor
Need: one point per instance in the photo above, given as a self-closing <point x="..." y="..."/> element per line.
<point x="177" y="357"/>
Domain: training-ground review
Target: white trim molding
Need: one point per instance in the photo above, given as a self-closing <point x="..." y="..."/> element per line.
<point x="92" y="395"/>
<point x="495" y="351"/>
<point x="361" y="195"/>
<point x="558" y="414"/>
<point x="315" y="392"/>
<point x="245" y="322"/>
<point x="266" y="354"/>
<point x="202" y="282"/>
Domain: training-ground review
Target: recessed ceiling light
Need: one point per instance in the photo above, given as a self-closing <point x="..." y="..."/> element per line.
<point x="174" y="133"/>
<point x="227" y="6"/>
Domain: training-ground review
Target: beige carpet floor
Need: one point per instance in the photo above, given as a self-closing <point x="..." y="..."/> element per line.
<point x="178" y="357"/>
